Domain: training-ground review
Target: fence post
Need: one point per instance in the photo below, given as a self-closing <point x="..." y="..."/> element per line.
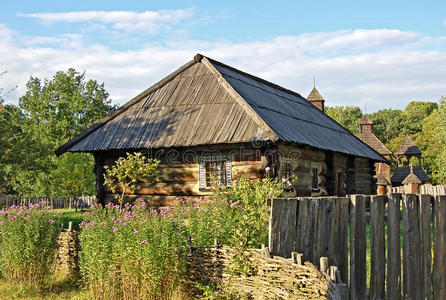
<point x="439" y="282"/>
<point x="338" y="247"/>
<point x="377" y="247"/>
<point x="393" y="288"/>
<point x="411" y="248"/>
<point x="282" y="227"/>
<point x="357" y="248"/>
<point x="426" y="245"/>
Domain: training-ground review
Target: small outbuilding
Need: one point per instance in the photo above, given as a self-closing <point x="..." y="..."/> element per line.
<point x="208" y="121"/>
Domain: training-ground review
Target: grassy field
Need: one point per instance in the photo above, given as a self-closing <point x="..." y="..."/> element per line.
<point x="71" y="215"/>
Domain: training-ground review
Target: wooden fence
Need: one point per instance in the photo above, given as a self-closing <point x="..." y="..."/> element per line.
<point x="427" y="189"/>
<point x="62" y="202"/>
<point x="337" y="228"/>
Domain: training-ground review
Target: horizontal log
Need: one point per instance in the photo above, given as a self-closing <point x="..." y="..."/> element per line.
<point x="153" y="200"/>
<point x="166" y="188"/>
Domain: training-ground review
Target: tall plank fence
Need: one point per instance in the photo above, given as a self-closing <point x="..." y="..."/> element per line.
<point x="405" y="263"/>
<point x="427" y="189"/>
<point x="80" y="202"/>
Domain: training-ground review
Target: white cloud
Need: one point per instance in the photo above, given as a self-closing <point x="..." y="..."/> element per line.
<point x="387" y="69"/>
<point x="149" y="22"/>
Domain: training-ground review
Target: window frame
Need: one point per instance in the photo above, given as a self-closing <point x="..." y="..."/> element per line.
<point x="215" y="158"/>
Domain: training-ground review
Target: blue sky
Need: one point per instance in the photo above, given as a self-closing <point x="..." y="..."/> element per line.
<point x="382" y="54"/>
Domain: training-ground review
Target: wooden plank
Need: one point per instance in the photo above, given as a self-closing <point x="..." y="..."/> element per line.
<point x="305" y="232"/>
<point x="377" y="247"/>
<point x="338" y="250"/>
<point x="274" y="223"/>
<point x="411" y="248"/>
<point x="357" y="248"/>
<point x="322" y="237"/>
<point x="426" y="246"/>
<point x="439" y="279"/>
<point x="393" y="287"/>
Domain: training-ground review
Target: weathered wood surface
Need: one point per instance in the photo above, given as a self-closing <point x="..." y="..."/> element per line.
<point x="358" y="273"/>
<point x="377" y="248"/>
<point x="392" y="276"/>
<point x="411" y="248"/>
<point x="426" y="245"/>
<point x="282" y="226"/>
<point x="439" y="277"/>
<point x="56" y="202"/>
<point x="338" y="252"/>
<point x="393" y="286"/>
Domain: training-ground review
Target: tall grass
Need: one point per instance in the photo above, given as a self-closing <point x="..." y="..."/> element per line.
<point x="28" y="241"/>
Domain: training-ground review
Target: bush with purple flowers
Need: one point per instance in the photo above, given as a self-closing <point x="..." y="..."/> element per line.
<point x="132" y="252"/>
<point x="28" y="241"/>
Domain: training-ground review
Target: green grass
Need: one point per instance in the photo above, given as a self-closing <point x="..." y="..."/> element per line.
<point x="71" y="215"/>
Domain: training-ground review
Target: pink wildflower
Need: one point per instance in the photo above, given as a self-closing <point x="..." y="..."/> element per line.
<point x="144" y="242"/>
<point x="103" y="223"/>
<point x="27" y="217"/>
<point x="1" y="223"/>
<point x="136" y="232"/>
<point x="115" y="229"/>
<point x="51" y="221"/>
<point x="58" y="212"/>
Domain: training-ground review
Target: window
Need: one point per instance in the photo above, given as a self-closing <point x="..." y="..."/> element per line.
<point x="215" y="168"/>
<point x="315" y="178"/>
<point x="286" y="169"/>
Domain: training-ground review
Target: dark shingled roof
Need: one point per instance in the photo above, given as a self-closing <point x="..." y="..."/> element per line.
<point x="408" y="147"/>
<point x="411" y="179"/>
<point x="402" y="172"/>
<point x="207" y="102"/>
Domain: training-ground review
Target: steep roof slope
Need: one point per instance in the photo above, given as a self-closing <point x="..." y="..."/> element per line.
<point x="207" y="102"/>
<point x="408" y="147"/>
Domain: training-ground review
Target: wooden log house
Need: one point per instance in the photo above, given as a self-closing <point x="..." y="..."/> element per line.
<point x="208" y="120"/>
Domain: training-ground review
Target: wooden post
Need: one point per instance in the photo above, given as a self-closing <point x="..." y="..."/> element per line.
<point x="322" y="236"/>
<point x="282" y="230"/>
<point x="324" y="264"/>
<point x="357" y="248"/>
<point x="393" y="288"/>
<point x="439" y="277"/>
<point x="426" y="245"/>
<point x="341" y="292"/>
<point x="338" y="250"/>
<point x="297" y="258"/>
<point x="377" y="247"/>
<point x="411" y="248"/>
<point x="70" y="226"/>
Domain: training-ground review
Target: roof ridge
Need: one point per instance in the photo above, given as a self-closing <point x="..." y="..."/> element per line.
<point x="62" y="149"/>
<point x="239" y="99"/>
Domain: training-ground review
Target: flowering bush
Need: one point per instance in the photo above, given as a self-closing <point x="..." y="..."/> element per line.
<point x="28" y="241"/>
<point x="207" y="220"/>
<point x="132" y="252"/>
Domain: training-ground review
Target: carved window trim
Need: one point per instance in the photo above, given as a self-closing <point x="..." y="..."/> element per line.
<point x="205" y="167"/>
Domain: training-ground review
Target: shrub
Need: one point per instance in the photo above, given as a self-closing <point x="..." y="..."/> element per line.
<point x="127" y="171"/>
<point x="132" y="252"/>
<point x="28" y="241"/>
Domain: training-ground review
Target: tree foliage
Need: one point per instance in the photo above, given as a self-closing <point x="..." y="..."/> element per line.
<point x="51" y="112"/>
<point x="347" y="116"/>
<point x="127" y="171"/>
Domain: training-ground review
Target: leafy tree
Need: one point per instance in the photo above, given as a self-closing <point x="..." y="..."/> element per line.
<point x="414" y="114"/>
<point x="441" y="136"/>
<point x="54" y="111"/>
<point x="387" y="124"/>
<point x="347" y="116"/>
<point x="127" y="171"/>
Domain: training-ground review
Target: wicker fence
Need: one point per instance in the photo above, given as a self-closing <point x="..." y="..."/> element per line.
<point x="337" y="228"/>
<point x="57" y="202"/>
